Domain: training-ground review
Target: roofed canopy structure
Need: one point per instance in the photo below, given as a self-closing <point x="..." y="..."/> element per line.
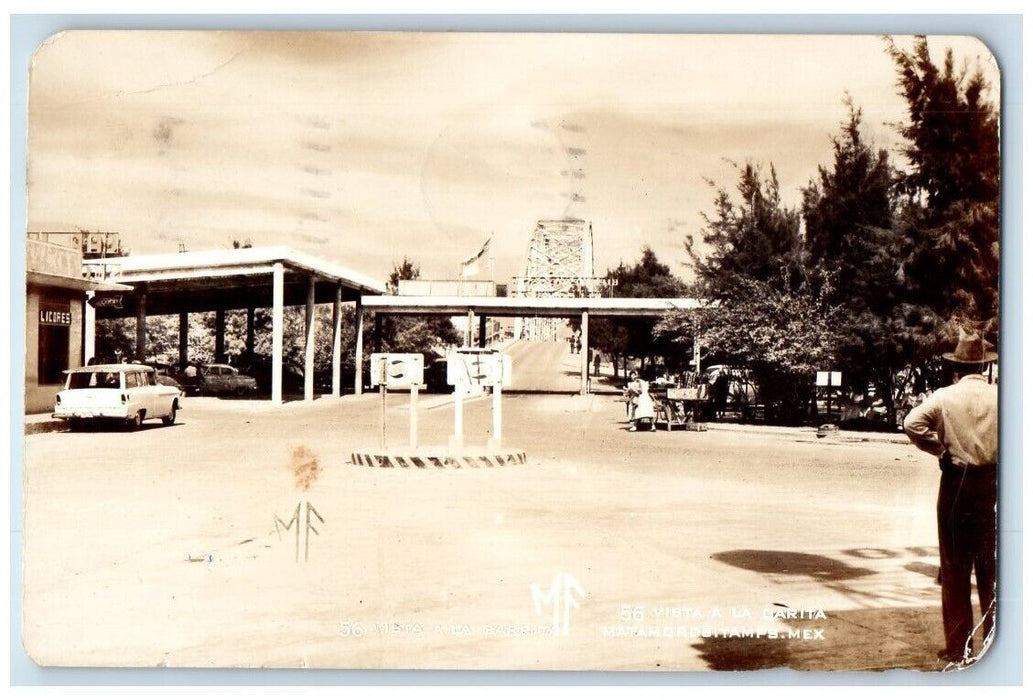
<point x="233" y="279"/>
<point x="530" y="307"/>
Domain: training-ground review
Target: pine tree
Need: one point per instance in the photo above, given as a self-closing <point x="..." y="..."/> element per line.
<point x="851" y="238"/>
<point x="638" y="338"/>
<point x="411" y="334"/>
<point x="758" y="239"/>
<point x="953" y="179"/>
<point x="766" y="311"/>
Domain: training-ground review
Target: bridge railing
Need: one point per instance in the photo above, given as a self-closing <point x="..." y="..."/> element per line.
<point x="548" y="286"/>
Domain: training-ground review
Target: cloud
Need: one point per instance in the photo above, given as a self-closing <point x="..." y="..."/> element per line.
<point x="425" y="143"/>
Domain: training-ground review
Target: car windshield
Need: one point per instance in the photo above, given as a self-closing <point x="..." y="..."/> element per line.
<point x="94" y="380"/>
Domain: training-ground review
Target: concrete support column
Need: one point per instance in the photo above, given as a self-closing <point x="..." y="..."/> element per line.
<point x="335" y="360"/>
<point x="249" y="340"/>
<point x="483" y="341"/>
<point x="89" y="330"/>
<point x="220" y="335"/>
<point x="518" y="322"/>
<point x="696" y="355"/>
<point x="277" y="359"/>
<point x="469" y="328"/>
<point x="584" y="352"/>
<point x="141" y="326"/>
<point x="358" y="347"/>
<point x="184" y="327"/>
<point x="310" y="340"/>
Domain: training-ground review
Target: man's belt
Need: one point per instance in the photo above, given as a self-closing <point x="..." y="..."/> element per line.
<point x="947" y="465"/>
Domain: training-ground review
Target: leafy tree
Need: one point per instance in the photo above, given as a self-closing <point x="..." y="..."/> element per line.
<point x="624" y="338"/>
<point x="853" y="239"/>
<point x="405" y="270"/>
<point x="952" y="182"/>
<point x="766" y="311"/>
<point x="780" y="330"/>
<point x="756" y="239"/>
<point x="847" y="212"/>
<point x="114" y="338"/>
<point x="892" y="262"/>
<point x="409" y="333"/>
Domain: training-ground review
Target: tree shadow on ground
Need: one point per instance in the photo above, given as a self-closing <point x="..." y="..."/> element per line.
<point x="879" y="635"/>
<point x="851" y="640"/>
<point x="929" y="570"/>
<point x="817" y="567"/>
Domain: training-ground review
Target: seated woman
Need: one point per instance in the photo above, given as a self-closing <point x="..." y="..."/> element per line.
<point x="630" y="395"/>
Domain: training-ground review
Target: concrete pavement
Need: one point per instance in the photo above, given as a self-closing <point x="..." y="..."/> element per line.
<point x="44" y="423"/>
<point x="163" y="546"/>
<point x="244" y="536"/>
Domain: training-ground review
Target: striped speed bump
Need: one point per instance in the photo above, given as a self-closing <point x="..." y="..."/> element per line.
<point x="441" y="460"/>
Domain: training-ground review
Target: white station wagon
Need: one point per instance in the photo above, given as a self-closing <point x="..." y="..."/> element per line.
<point x="124" y="392"/>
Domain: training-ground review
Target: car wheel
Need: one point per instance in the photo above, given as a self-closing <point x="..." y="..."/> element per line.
<point x="171" y="418"/>
<point x="75" y="425"/>
<point x="241" y="391"/>
<point x="136" y="421"/>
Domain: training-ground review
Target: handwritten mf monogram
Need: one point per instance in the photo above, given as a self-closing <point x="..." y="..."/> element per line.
<point x="562" y="597"/>
<point x="295" y="522"/>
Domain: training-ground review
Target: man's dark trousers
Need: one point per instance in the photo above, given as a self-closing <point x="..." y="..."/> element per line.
<point x="967" y="522"/>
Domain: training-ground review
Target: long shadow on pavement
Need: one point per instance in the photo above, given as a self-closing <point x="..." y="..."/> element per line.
<point x="850" y="640"/>
<point x="818" y="567"/>
<point x="895" y="625"/>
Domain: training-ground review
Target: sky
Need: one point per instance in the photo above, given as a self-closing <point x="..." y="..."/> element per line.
<point x="364" y="148"/>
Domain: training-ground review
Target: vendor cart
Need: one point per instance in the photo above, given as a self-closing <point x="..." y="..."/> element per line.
<point x="680" y="406"/>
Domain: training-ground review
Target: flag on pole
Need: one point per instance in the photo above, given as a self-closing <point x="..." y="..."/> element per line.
<point x="469" y="268"/>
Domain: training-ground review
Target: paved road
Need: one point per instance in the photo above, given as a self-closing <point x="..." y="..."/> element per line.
<point x="162" y="547"/>
<point x="544" y="366"/>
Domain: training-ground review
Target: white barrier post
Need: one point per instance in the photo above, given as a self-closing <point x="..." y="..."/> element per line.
<point x="383" y="404"/>
<point x="496" y="416"/>
<point x="456" y="440"/>
<point x="413" y="393"/>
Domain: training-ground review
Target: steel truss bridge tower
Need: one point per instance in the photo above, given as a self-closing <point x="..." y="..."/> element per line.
<point x="560" y="263"/>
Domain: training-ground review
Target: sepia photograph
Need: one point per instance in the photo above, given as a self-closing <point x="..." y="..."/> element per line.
<point x="511" y="351"/>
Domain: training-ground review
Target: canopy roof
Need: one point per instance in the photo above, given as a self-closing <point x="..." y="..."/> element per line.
<point x="212" y="280"/>
<point x="528" y="306"/>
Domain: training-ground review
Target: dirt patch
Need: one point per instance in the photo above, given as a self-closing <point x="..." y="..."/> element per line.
<point x="305" y="467"/>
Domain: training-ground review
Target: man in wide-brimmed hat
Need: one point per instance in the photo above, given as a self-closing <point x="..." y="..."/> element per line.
<point x="958" y="424"/>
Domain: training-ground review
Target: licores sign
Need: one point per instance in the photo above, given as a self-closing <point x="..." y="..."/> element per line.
<point x="55" y="315"/>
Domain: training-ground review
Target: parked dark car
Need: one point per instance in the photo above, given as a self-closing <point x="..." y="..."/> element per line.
<point x="167" y="375"/>
<point x="324" y="376"/>
<point x="293" y="381"/>
<point x="168" y="380"/>
<point x="435" y="376"/>
<point x="225" y="380"/>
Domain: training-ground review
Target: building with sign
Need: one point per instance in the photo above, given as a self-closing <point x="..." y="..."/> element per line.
<point x="55" y="296"/>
